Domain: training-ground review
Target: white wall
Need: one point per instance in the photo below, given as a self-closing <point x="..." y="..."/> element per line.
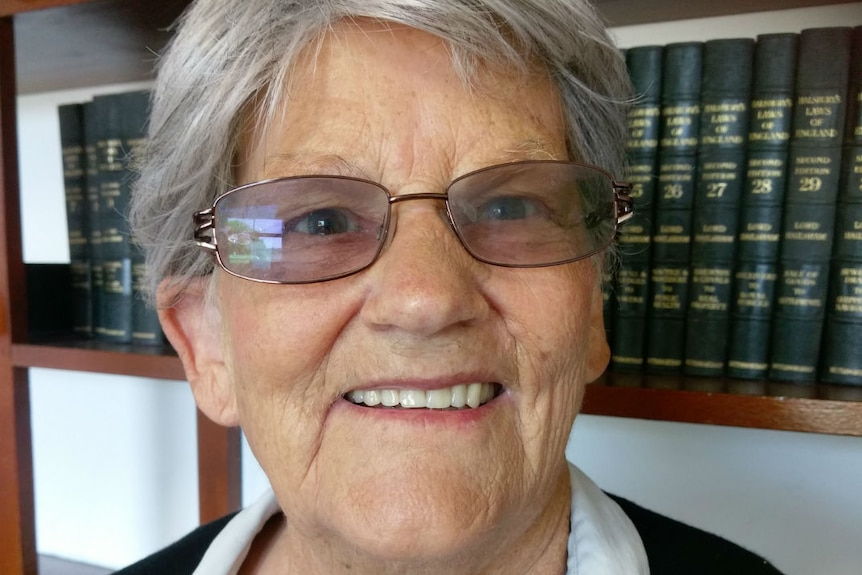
<point x="115" y="467"/>
<point x="115" y="459"/>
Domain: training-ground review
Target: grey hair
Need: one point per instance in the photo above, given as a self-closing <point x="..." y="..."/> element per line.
<point x="226" y="54"/>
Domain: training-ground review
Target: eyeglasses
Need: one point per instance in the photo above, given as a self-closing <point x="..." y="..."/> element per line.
<point x="306" y="229"/>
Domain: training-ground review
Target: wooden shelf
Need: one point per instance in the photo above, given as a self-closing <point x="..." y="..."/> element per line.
<point x="629" y="12"/>
<point x="88" y="44"/>
<point x="9" y="7"/>
<point x="711" y="402"/>
<point x="139" y="361"/>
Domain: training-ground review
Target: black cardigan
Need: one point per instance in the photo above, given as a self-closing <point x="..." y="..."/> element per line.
<point x="673" y="548"/>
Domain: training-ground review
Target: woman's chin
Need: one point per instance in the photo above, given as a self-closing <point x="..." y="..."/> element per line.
<point x="420" y="512"/>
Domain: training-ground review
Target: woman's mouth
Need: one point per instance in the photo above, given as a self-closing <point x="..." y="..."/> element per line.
<point x="462" y="396"/>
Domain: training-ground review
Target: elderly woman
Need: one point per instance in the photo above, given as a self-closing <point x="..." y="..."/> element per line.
<point x="392" y="282"/>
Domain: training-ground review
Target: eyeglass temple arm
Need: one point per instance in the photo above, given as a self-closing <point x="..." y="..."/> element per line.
<point x="204" y="222"/>
<point x="624" y="202"/>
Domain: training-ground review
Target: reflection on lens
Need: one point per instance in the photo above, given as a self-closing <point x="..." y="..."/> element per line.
<point x="301" y="229"/>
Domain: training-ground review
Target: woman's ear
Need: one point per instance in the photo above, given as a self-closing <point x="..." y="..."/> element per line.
<point x="598" y="352"/>
<point x="193" y="326"/>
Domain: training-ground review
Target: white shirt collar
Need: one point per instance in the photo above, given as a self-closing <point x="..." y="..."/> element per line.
<point x="602" y="539"/>
<point x="230" y="547"/>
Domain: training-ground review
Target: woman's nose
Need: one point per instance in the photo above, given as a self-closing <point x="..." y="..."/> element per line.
<point x="424" y="281"/>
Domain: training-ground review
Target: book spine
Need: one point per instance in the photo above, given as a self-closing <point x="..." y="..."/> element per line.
<point x="810" y="203"/>
<point x="94" y="232"/>
<point x="672" y="227"/>
<point x="123" y="118"/>
<point x="841" y="359"/>
<point x="146" y="328"/>
<point x="756" y="268"/>
<point x="632" y="279"/>
<point x="114" y="262"/>
<point x="74" y="183"/>
<point x="725" y="98"/>
<point x="842" y="336"/>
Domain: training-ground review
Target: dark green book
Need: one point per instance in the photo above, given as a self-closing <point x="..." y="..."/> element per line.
<point x="75" y="182"/>
<point x="810" y="203"/>
<point x="841" y="358"/>
<point x="632" y="279"/>
<point x="672" y="223"/>
<point x="756" y="268"/>
<point x="114" y="262"/>
<point x="146" y="328"/>
<point x="122" y="119"/>
<point x="725" y="98"/>
<point x="94" y="231"/>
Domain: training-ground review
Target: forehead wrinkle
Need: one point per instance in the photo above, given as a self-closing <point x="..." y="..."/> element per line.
<point x="301" y="164"/>
<point x="531" y="149"/>
<point x="297" y="164"/>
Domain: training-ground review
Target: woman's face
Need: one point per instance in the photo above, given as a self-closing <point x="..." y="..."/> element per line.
<point x="384" y="103"/>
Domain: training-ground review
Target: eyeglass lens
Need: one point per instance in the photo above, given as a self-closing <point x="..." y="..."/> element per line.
<point x="313" y="228"/>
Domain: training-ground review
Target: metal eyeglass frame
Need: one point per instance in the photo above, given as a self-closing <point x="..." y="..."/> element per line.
<point x="205" y="236"/>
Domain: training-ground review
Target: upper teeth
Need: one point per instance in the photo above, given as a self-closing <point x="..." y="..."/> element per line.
<point x="468" y="394"/>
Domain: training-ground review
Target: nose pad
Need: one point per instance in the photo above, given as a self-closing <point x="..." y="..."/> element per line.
<point x="444" y="219"/>
<point x="390" y="228"/>
<point x="444" y="215"/>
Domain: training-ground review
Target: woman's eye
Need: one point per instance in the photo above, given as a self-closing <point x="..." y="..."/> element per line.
<point x="322" y="223"/>
<point x="508" y="208"/>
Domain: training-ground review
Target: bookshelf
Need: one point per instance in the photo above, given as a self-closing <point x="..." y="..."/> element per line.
<point x="112" y="41"/>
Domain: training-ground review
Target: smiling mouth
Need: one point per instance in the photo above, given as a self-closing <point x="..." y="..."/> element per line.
<point x="463" y="396"/>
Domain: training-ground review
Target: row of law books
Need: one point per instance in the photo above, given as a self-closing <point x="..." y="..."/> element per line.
<point x="99" y="139"/>
<point x="744" y="259"/>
